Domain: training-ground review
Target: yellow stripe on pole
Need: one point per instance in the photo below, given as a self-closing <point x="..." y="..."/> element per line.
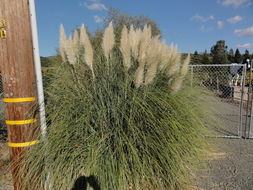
<point x="18" y="145"/>
<point x="21" y="122"/>
<point x="16" y="100"/>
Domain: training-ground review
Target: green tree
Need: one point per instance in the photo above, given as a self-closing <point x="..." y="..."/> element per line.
<point x="246" y="55"/>
<point x="119" y="20"/>
<point x="238" y="56"/>
<point x="231" y="56"/>
<point x="206" y="58"/>
<point x="219" y="52"/>
<point x="45" y="61"/>
<point x="195" y="59"/>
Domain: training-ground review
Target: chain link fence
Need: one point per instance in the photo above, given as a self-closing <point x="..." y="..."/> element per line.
<point x="1" y="99"/>
<point x="229" y="84"/>
<point x="2" y="125"/>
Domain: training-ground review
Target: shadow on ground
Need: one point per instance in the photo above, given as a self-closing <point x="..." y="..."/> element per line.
<point x="83" y="182"/>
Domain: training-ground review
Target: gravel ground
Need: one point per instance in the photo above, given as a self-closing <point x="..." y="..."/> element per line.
<point x="231" y="167"/>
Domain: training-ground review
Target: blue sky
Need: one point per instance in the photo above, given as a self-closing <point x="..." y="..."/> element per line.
<point x="191" y="24"/>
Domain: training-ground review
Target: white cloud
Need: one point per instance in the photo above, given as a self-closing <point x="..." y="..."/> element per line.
<point x="95" y="5"/>
<point x="246" y="32"/>
<point x="98" y="19"/>
<point x="203" y="28"/>
<point x="234" y="19"/>
<point x="199" y="18"/>
<point x="234" y="3"/>
<point x="245" y="46"/>
<point x="220" y="24"/>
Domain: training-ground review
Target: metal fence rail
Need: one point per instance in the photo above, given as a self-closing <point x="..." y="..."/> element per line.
<point x="231" y="86"/>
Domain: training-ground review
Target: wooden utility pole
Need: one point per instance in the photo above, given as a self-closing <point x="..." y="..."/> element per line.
<point x="19" y="80"/>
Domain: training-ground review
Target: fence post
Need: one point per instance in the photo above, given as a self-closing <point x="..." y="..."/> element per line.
<point x="19" y="80"/>
<point x="240" y="128"/>
<point x="249" y="129"/>
<point x="217" y="84"/>
<point x="191" y="75"/>
<point x="248" y="114"/>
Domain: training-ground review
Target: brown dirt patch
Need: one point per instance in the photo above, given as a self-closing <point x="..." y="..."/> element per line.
<point x="5" y="174"/>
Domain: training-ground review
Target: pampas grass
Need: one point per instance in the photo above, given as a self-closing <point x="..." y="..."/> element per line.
<point x="70" y="50"/>
<point x="125" y="47"/>
<point x="134" y="39"/>
<point x="174" y="61"/>
<point x="145" y="42"/>
<point x="176" y="85"/>
<point x="128" y="128"/>
<point x="88" y="51"/>
<point x="63" y="40"/>
<point x="139" y="75"/>
<point x="108" y="40"/>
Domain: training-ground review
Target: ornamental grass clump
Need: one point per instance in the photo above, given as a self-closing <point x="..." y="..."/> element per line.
<point x="120" y="114"/>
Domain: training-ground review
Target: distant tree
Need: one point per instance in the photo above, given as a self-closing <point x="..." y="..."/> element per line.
<point x="219" y="52"/>
<point x="238" y="57"/>
<point x="195" y="58"/>
<point x="206" y="58"/>
<point x="119" y="20"/>
<point x="246" y="55"/>
<point x="231" y="56"/>
<point x="48" y="64"/>
<point x="45" y="61"/>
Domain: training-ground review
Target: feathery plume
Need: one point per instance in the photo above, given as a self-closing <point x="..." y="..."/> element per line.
<point x="76" y="39"/>
<point x="139" y="76"/>
<point x="152" y="59"/>
<point x="63" y="39"/>
<point x="177" y="83"/>
<point x="85" y="42"/>
<point x="144" y="43"/>
<point x="147" y="29"/>
<point x="184" y="67"/>
<point x="151" y="72"/>
<point x="134" y="39"/>
<point x="125" y="47"/>
<point x="70" y="51"/>
<point x="164" y="56"/>
<point x="108" y="40"/>
<point x="174" y="61"/>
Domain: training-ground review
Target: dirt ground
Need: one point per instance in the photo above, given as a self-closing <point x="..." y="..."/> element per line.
<point x="230" y="167"/>
<point x="5" y="176"/>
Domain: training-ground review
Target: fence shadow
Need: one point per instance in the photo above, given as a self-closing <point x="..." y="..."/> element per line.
<point x="82" y="183"/>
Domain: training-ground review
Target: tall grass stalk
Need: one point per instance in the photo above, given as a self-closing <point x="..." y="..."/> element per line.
<point x="128" y="135"/>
